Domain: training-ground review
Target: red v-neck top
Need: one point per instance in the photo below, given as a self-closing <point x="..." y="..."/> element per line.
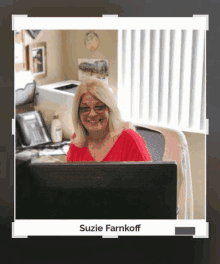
<point x="129" y="146"/>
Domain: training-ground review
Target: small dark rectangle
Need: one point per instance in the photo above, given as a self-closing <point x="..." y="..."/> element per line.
<point x="2" y="149"/>
<point x="185" y="231"/>
<point x="3" y="160"/>
<point x="66" y="87"/>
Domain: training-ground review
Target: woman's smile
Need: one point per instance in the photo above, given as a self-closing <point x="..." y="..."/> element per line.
<point x="94" y="121"/>
<point x="98" y="124"/>
<point x="93" y="113"/>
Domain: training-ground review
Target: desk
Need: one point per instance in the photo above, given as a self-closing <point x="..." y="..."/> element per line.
<point x="44" y="155"/>
<point x="55" y="159"/>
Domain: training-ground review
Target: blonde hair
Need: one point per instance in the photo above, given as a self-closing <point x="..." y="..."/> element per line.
<point x="102" y="92"/>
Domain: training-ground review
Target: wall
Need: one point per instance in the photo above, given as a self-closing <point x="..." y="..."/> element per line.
<point x="65" y="47"/>
<point x="74" y="49"/>
<point x="63" y="50"/>
<point x="196" y="145"/>
<point x="53" y="39"/>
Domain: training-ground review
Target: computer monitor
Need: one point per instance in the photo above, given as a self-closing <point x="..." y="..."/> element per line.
<point x="105" y="190"/>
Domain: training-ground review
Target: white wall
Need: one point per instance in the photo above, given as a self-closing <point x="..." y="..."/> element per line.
<point x="53" y="39"/>
<point x="196" y="145"/>
<point x="54" y="44"/>
<point x="74" y="49"/>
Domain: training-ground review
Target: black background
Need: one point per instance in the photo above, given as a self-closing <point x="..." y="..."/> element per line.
<point x="84" y="249"/>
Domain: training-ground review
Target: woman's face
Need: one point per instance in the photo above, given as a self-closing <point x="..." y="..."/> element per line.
<point x="94" y="114"/>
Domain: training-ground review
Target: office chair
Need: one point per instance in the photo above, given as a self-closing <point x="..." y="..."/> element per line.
<point x="165" y="144"/>
<point x="25" y="95"/>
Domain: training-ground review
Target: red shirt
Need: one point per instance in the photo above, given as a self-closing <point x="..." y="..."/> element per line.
<point x="129" y="146"/>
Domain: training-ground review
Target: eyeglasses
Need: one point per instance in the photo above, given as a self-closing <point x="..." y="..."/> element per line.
<point x="98" y="109"/>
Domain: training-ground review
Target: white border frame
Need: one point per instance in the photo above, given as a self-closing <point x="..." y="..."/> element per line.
<point x="109" y="23"/>
<point x="25" y="228"/>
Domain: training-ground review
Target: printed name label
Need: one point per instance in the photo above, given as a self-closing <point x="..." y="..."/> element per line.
<point x="124" y="228"/>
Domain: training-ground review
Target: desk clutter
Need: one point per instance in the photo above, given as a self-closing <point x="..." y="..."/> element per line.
<point x="45" y="159"/>
<point x="45" y="153"/>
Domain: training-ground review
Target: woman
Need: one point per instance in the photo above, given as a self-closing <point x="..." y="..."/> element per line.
<point x="100" y="134"/>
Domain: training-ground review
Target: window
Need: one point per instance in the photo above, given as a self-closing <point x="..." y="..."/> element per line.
<point x="162" y="78"/>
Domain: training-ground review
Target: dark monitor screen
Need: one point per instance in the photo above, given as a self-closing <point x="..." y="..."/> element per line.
<point x="125" y="190"/>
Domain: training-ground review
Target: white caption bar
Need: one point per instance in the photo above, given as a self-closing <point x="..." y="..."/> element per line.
<point x="105" y="228"/>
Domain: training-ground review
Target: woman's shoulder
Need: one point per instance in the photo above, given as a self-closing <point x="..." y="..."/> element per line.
<point x="76" y="152"/>
<point x="75" y="142"/>
<point x="130" y="133"/>
<point x="73" y="139"/>
<point x="132" y="136"/>
<point x="128" y="130"/>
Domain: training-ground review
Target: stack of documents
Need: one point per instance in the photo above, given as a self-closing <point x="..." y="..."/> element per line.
<point x="33" y="153"/>
<point x="28" y="154"/>
<point x="51" y="152"/>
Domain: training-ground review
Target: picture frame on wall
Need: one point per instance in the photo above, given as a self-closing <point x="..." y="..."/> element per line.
<point x="38" y="60"/>
<point x="33" y="33"/>
<point x="19" y="51"/>
<point x="92" y="41"/>
<point x="98" y="68"/>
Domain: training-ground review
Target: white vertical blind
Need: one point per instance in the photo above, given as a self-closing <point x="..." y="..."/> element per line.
<point x="175" y="53"/>
<point x="197" y="70"/>
<point x="120" y="73"/>
<point x="154" y="74"/>
<point x="135" y="73"/>
<point x="127" y="63"/>
<point x="145" y="78"/>
<point x="163" y="78"/>
<point x="185" y="77"/>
